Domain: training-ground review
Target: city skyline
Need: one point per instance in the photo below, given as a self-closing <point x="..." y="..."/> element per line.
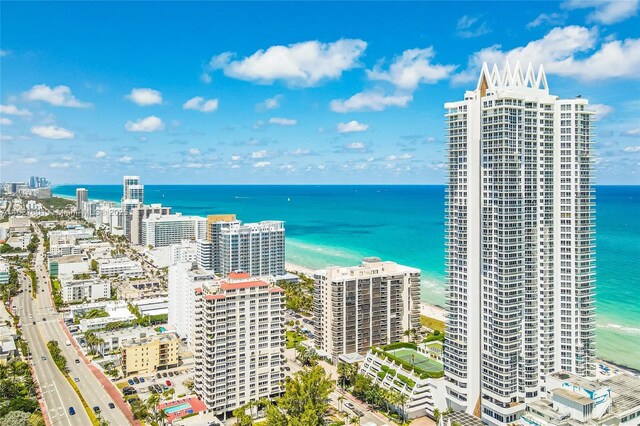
<point x="339" y="95"/>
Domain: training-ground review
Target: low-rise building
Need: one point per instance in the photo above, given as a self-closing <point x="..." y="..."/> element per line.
<point x="111" y="341"/>
<point x="68" y="265"/>
<point x="19" y="224"/>
<point x="20" y="241"/>
<point x="84" y="289"/>
<point x="69" y="236"/>
<point x="149" y="354"/>
<point x="4" y="272"/>
<point x="8" y="348"/>
<point x="64" y="249"/>
<point x="402" y="368"/>
<point x="572" y="400"/>
<point x="120" y="266"/>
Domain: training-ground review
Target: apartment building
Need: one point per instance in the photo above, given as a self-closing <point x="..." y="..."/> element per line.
<point x="163" y="230"/>
<point x="119" y="266"/>
<point x="256" y="248"/>
<point x="240" y="344"/>
<point x="4" y="272"/>
<point x="82" y="196"/>
<point x="138" y="214"/>
<point x="182" y="280"/>
<point x="520" y="243"/>
<point x="145" y="355"/>
<point x="368" y="305"/>
<point x="86" y="289"/>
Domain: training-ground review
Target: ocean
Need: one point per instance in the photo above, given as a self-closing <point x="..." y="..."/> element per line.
<point x="339" y="225"/>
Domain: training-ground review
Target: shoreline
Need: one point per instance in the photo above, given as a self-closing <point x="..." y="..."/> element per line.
<point x="426" y="309"/>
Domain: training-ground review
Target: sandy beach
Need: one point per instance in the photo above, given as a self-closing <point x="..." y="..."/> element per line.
<point x="426" y="309"/>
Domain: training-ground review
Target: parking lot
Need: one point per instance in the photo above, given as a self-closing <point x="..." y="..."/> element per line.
<point x="159" y="382"/>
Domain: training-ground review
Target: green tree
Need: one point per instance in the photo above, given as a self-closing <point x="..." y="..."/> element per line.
<point x="305" y="401"/>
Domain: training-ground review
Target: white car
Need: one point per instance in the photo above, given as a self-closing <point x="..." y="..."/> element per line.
<point x="349" y="405"/>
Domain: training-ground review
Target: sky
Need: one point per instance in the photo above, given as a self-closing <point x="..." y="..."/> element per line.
<point x="290" y="93"/>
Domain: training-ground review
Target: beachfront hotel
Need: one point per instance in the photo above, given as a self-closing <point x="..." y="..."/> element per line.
<point x="240" y="342"/>
<point x="138" y="214"/>
<point x="520" y="243"/>
<point x="371" y="304"/>
<point x="132" y="197"/>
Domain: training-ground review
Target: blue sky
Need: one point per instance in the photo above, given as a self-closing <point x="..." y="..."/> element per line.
<point x="289" y="92"/>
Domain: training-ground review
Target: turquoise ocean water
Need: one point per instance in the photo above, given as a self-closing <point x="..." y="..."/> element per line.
<point x="338" y="225"/>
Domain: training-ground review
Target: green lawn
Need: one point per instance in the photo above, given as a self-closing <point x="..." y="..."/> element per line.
<point x="294" y="338"/>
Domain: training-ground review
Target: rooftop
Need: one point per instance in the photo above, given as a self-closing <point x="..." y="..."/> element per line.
<point x="626" y="391"/>
<point x="371" y="266"/>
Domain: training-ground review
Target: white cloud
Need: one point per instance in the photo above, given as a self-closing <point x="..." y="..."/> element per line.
<point x="125" y="159"/>
<point x="194" y="165"/>
<point x="259" y="154"/>
<point x="148" y="124"/>
<point x="548" y="19"/>
<point x="287" y="167"/>
<point x="632" y="149"/>
<point x="300" y="64"/>
<point x="52" y="132"/>
<point x="235" y="158"/>
<point x="29" y="160"/>
<point x="352" y="126"/>
<point x="558" y="49"/>
<point x="145" y="97"/>
<point x="4" y="52"/>
<point x="200" y="104"/>
<point x="194" y="151"/>
<point x="632" y="132"/>
<point x="100" y="154"/>
<point x="606" y="11"/>
<point x="412" y="68"/>
<point x="370" y="101"/>
<point x="261" y="164"/>
<point x="6" y="138"/>
<point x="5" y="121"/>
<point x="601" y="110"/>
<point x="58" y="96"/>
<point x="13" y="110"/>
<point x="300" y="151"/>
<point x="270" y="103"/>
<point x="471" y="26"/>
<point x="400" y="157"/>
<point x="355" y="146"/>
<point x="59" y="165"/>
<point x="282" y="121"/>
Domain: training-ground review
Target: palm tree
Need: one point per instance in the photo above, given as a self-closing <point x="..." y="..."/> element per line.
<point x="355" y="420"/>
<point x="343" y="371"/>
<point x="340" y="399"/>
<point x="402" y="400"/>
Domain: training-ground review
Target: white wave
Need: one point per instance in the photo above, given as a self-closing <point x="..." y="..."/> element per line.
<point x="618" y="327"/>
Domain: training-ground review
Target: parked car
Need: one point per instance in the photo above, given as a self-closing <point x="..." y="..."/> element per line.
<point x="96" y="409"/>
<point x="151" y="389"/>
<point x="112" y="405"/>
<point x="136" y="380"/>
<point x="158" y="388"/>
<point x="349" y="405"/>
<point x="158" y="375"/>
<point x="141" y="379"/>
<point x="131" y="382"/>
<point x="168" y="382"/>
<point x="77" y="361"/>
<point x="72" y="411"/>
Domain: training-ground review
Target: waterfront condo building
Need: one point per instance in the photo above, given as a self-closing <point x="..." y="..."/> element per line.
<point x="163" y="230"/>
<point x="82" y="196"/>
<point x="182" y="280"/>
<point x="372" y="304"/>
<point x="138" y="214"/>
<point x="520" y="243"/>
<point x="132" y="197"/>
<point x="256" y="248"/>
<point x="240" y="342"/>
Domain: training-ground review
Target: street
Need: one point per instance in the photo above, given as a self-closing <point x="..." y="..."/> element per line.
<point x="48" y="326"/>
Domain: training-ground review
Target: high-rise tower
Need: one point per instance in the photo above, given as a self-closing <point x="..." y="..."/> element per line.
<point x="520" y="243"/>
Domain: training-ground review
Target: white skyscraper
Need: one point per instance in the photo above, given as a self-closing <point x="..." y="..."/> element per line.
<point x="240" y="342"/>
<point x="163" y="230"/>
<point x="520" y="247"/>
<point x="82" y="196"/>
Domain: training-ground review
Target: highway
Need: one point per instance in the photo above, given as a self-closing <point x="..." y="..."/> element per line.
<point x="48" y="326"/>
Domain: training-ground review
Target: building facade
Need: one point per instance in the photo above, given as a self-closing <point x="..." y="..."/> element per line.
<point x="87" y="289"/>
<point x="519" y="232"/>
<point x="368" y="305"/>
<point x="240" y="344"/>
<point x="161" y="231"/>
<point x="146" y="355"/>
<point x="138" y="214"/>
<point x="82" y="196"/>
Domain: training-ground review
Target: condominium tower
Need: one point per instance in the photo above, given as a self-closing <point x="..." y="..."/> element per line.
<point x="368" y="305"/>
<point x="240" y="342"/>
<point x="82" y="196"/>
<point x="520" y="253"/>
<point x="132" y="197"/>
<point x="163" y="230"/>
<point x="256" y="248"/>
<point x="138" y="214"/>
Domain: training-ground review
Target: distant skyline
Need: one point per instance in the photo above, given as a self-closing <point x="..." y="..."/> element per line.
<point x="290" y="93"/>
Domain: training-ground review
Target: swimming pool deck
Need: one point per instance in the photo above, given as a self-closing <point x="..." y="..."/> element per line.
<point x="194" y="406"/>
